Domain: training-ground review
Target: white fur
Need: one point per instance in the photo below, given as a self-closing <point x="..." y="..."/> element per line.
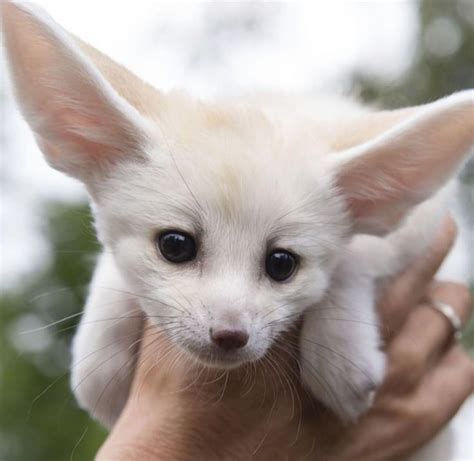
<point x="105" y="345"/>
<point x="243" y="178"/>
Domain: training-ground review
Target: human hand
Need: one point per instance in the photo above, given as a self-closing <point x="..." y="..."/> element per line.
<point x="178" y="411"/>
<point x="429" y="376"/>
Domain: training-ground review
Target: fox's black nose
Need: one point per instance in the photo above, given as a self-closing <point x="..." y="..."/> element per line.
<point x="229" y="339"/>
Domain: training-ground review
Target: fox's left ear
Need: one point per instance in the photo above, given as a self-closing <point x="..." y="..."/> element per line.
<point x="381" y="180"/>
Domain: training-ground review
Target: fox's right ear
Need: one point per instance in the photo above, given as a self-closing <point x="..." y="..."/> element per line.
<point x="383" y="179"/>
<point x="82" y="124"/>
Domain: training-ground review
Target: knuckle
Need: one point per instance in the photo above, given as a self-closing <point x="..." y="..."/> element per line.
<point x="426" y="416"/>
<point x="406" y="366"/>
<point x="456" y="295"/>
<point x="462" y="301"/>
<point x="465" y="297"/>
<point x="416" y="418"/>
<point x="451" y="232"/>
<point x="471" y="372"/>
<point x="466" y="371"/>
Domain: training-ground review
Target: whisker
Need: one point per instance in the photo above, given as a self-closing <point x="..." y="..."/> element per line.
<point x="81" y="438"/>
<point x="52" y="324"/>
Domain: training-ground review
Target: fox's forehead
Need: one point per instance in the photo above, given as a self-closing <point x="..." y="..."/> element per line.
<point x="227" y="189"/>
<point x="209" y="130"/>
<point x="235" y="183"/>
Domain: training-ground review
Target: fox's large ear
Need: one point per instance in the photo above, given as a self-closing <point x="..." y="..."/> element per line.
<point x="381" y="180"/>
<point x="80" y="121"/>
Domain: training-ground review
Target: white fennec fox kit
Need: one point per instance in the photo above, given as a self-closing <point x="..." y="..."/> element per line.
<point x="224" y="223"/>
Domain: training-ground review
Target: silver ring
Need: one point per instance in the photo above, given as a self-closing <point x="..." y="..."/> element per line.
<point x="451" y="315"/>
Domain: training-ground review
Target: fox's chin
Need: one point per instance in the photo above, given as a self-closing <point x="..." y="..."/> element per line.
<point x="221" y="364"/>
<point x="222" y="360"/>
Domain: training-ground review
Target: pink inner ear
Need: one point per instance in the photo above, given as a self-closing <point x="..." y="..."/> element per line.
<point x="80" y="134"/>
<point x="383" y="184"/>
<point x="379" y="190"/>
<point x="78" y="140"/>
<point x="96" y="155"/>
<point x="375" y="217"/>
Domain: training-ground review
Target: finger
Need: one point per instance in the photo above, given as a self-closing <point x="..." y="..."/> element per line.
<point x="455" y="295"/>
<point x="409" y="287"/>
<point x="426" y="334"/>
<point x="425" y="410"/>
<point x="439" y="396"/>
<point x="443" y="391"/>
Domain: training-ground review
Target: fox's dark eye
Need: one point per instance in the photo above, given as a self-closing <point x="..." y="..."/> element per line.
<point x="177" y="246"/>
<point x="280" y="265"/>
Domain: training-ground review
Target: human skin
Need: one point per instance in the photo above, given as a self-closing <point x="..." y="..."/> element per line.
<point x="180" y="411"/>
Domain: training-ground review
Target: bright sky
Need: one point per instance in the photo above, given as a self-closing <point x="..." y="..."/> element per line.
<point x="302" y="46"/>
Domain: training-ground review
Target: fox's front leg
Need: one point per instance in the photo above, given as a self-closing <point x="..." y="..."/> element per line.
<point x="105" y="345"/>
<point x="341" y="360"/>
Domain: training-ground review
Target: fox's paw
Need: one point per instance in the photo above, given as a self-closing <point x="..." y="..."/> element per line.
<point x="345" y="384"/>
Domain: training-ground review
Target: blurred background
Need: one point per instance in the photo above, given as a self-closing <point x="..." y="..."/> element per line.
<point x="392" y="53"/>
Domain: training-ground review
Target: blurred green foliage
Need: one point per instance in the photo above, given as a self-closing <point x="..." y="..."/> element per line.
<point x="443" y="58"/>
<point x="39" y="419"/>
